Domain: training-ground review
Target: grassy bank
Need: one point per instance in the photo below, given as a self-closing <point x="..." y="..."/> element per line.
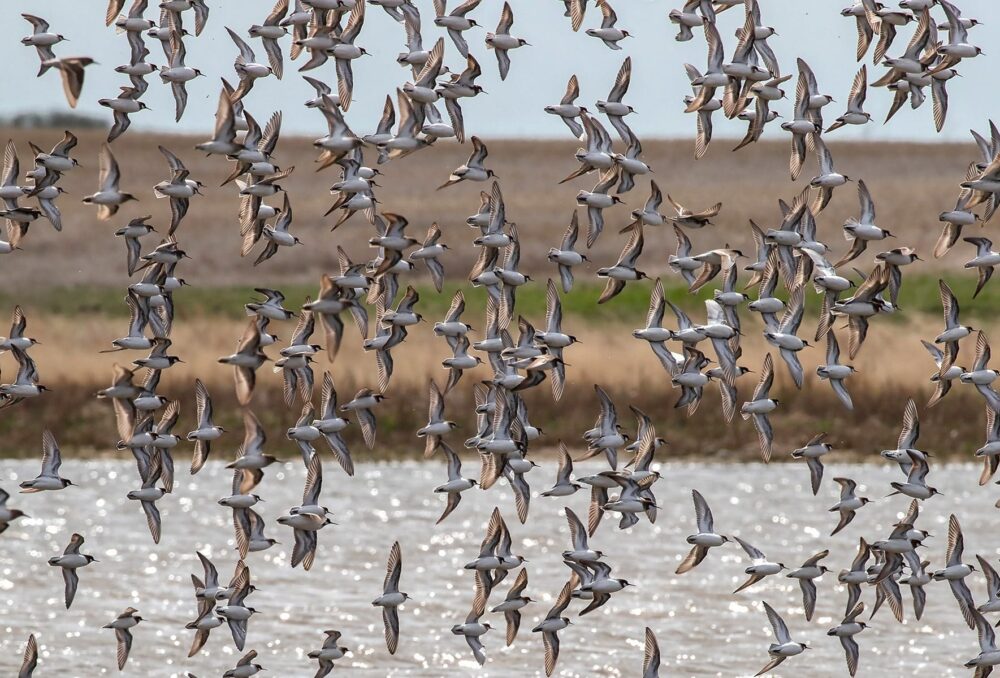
<point x="919" y="295"/>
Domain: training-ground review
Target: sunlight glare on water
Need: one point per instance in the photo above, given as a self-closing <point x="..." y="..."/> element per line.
<point x="771" y="506"/>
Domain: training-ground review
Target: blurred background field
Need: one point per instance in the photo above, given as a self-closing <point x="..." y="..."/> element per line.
<point x="71" y="286"/>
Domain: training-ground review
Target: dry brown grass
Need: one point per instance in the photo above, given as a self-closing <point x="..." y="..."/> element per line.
<point x="908" y="196"/>
<point x="608" y="355"/>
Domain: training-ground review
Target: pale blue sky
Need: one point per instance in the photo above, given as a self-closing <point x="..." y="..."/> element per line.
<point x="812" y="29"/>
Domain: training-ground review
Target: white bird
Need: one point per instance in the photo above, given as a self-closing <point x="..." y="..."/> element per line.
<point x="108" y="197"/>
<point x="122" y="625"/>
<point x="846" y="631"/>
<point x="784" y="647"/>
<point x="502" y="41"/>
<point x="473" y="629"/>
<point x="48" y="478"/>
<point x="760" y="406"/>
<point x="704" y="539"/>
<point x="392" y="598"/>
<point x="550" y="626"/>
<point x="609" y="33"/>
<point x="70" y="561"/>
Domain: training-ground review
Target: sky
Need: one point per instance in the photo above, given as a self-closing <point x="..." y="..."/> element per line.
<point x="811" y="29"/>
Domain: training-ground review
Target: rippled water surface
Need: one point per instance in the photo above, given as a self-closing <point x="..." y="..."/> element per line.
<point x="702" y="628"/>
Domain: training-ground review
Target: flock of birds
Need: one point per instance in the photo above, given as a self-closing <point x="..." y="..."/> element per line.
<point x="790" y="256"/>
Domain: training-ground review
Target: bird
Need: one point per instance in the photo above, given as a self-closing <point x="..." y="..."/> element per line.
<point x="608" y="33"/>
<point x="236" y="614"/>
<point x="473" y="169"/>
<point x="955" y="571"/>
<point x="855" y="114"/>
<point x="246" y="66"/>
<point x="179" y="189"/>
<point x="846" y="631"/>
<point x="596" y="201"/>
<point x="953" y="331"/>
<point x="269" y="33"/>
<point x="122" y="625"/>
<point x="624" y="270"/>
<point x="108" y="197"/>
<point x="810" y="570"/>
<point x="307" y="519"/>
<point x="248" y="357"/>
<point x="48" y="478"/>
<point x="513" y="603"/>
<point x="564" y="485"/>
<point x="550" y="626"/>
<point x="329" y="652"/>
<point x="690" y="219"/>
<point x="784" y="337"/>
<point x="8" y="515"/>
<point x="473" y="629"/>
<point x="859" y="232"/>
<point x="245" y="667"/>
<point x="501" y="42"/>
<point x="203" y="624"/>
<point x="581" y="552"/>
<point x="989" y="655"/>
<point x="785" y="647"/>
<point x="223" y="141"/>
<point x="456" y="22"/>
<point x="132" y="232"/>
<point x="149" y="493"/>
<point x="392" y="598"/>
<point x="835" y="372"/>
<point x="984" y="261"/>
<point x="908" y="436"/>
<point x="456" y="483"/>
<point x="703" y="540"/>
<point x="827" y="179"/>
<point x="70" y="561"/>
<point x="613" y="107"/>
<point x="125" y="103"/>
<point x="30" y="659"/>
<point x="250" y="456"/>
<point x="567" y="110"/>
<point x="712" y="263"/>
<point x="857" y="575"/>
<point x="849" y="503"/>
<point x="813" y="452"/>
<point x="71" y="70"/>
<point x="429" y="252"/>
<point x="178" y="74"/>
<point x="760" y="406"/>
<point x="981" y="376"/>
<point x="761" y="566"/>
<point x="42" y="39"/>
<point x="207" y="430"/>
<point x="650" y="656"/>
<point x="362" y="404"/>
<point x="209" y="588"/>
<point x="565" y="256"/>
<point x="916" y="479"/>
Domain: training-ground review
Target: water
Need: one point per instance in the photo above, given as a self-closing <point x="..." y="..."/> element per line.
<point x="703" y="630"/>
<point x="813" y="30"/>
